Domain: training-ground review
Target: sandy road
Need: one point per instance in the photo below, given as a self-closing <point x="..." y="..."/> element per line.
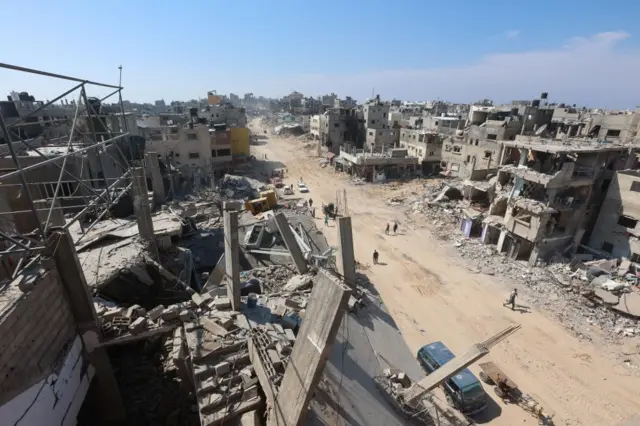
<point x="433" y="297"/>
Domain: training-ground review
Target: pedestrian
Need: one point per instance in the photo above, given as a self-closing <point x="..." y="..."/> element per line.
<point x="326" y="220"/>
<point x="512" y="299"/>
<point x="386" y="230"/>
<point x="375" y="257"/>
<point x="395" y="227"/>
<point x="310" y="202"/>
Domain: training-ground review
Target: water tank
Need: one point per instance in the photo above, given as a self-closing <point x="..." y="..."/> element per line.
<point x="544" y="95"/>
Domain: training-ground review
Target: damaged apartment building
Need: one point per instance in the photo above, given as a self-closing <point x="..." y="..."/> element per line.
<point x="547" y="194"/>
<point x="336" y="127"/>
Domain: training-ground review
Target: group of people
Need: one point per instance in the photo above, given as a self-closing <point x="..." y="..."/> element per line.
<point x="395" y="228"/>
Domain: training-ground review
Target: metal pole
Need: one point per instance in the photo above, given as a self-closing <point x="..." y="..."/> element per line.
<point x="13" y="240"/>
<point x="64" y="164"/>
<point x="54" y="159"/>
<point x="103" y="213"/>
<point x="20" y="172"/>
<point x="21" y="119"/>
<point x="60" y="76"/>
<point x="93" y="131"/>
<point x="92" y="203"/>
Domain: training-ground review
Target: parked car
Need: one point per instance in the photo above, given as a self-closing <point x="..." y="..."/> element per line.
<point x="302" y="187"/>
<point x="463" y="390"/>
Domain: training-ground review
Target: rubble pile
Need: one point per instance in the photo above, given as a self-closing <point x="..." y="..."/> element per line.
<point x="153" y="391"/>
<point x="271" y="278"/>
<point x="576" y="298"/>
<point x="241" y="187"/>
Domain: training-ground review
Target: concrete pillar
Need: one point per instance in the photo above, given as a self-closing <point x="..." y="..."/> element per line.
<point x="156" y="178"/>
<point x="311" y="352"/>
<point x="142" y="209"/>
<point x="501" y="240"/>
<point x="347" y="266"/>
<point x="291" y="243"/>
<point x="533" y="257"/>
<point x="232" y="253"/>
<point x="484" y="239"/>
<point x="61" y="250"/>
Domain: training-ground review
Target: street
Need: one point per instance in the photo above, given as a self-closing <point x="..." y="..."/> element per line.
<point x="431" y="297"/>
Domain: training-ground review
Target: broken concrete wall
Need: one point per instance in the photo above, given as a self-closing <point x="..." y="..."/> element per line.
<point x="618" y="224"/>
<point x="56" y="398"/>
<point x="38" y="322"/>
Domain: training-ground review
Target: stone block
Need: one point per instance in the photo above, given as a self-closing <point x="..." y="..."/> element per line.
<point x="170" y="313"/>
<point x="222" y="368"/>
<point x="138" y="325"/>
<point x="201" y="299"/>
<point x="222" y="303"/>
<point x="290" y="335"/>
<point x="185" y="315"/>
<point x="242" y="322"/>
<point x="213" y="327"/>
<point x="155" y="313"/>
<point x="113" y="313"/>
<point x="291" y="304"/>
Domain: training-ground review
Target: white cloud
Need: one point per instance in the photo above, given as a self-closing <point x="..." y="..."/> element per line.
<point x="511" y="34"/>
<point x="586" y="70"/>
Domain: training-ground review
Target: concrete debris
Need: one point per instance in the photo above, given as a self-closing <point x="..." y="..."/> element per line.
<point x="241" y="187"/>
<point x="299" y="282"/>
<point x="583" y="294"/>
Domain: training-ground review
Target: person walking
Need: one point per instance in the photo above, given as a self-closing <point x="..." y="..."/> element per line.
<point x="310" y="202"/>
<point x="375" y="257"/>
<point x="512" y="299"/>
<point x="326" y="220"/>
<point x="395" y="227"/>
<point x="386" y="231"/>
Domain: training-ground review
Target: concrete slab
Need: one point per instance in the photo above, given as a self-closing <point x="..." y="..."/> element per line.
<point x="629" y="304"/>
<point x="367" y="343"/>
<point x="606" y="297"/>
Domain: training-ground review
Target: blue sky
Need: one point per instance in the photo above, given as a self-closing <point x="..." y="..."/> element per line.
<point x="585" y="52"/>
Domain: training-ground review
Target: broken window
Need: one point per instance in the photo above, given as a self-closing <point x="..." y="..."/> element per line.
<point x="373" y="121"/>
<point x="224" y="152"/>
<point x="192" y="136"/>
<point x="370" y="133"/>
<point x="436" y="123"/>
<point x="457" y="149"/>
<point x="379" y="133"/>
<point x="477" y="141"/>
<point x="613" y="133"/>
<point x="193" y="155"/>
<point x="492" y="137"/>
<point x="608" y="247"/>
<point x="431" y="153"/>
<point x="635" y="186"/>
<point x="627" y="222"/>
<point x="421" y="138"/>
<point x="468" y="158"/>
<point x="635" y="257"/>
<point x="487" y="154"/>
<point x="336" y="125"/>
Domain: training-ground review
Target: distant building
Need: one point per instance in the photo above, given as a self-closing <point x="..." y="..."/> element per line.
<point x="160" y="106"/>
<point x="425" y="145"/>
<point x="376" y="114"/>
<point x="336" y="127"/>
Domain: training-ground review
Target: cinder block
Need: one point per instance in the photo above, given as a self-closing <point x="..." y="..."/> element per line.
<point x="155" y="313"/>
<point x="222" y="368"/>
<point x="138" y="325"/>
<point x="222" y="303"/>
<point x="274" y="358"/>
<point x="290" y="335"/>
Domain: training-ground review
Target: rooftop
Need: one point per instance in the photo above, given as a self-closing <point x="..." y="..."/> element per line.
<point x="568" y="145"/>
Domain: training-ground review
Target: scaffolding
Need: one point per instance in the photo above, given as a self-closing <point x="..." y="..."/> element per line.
<point x="24" y="231"/>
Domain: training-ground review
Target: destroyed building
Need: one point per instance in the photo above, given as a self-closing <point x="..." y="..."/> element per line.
<point x="549" y="194"/>
<point x="336" y="127"/>
<point x="616" y="231"/>
<point x="425" y="145"/>
<point x="377" y="167"/>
